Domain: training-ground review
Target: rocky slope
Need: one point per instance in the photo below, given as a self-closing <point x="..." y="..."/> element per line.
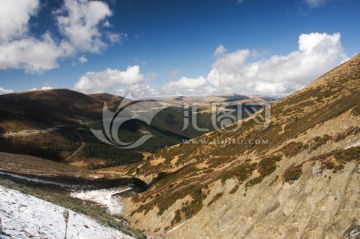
<point x="300" y="180"/>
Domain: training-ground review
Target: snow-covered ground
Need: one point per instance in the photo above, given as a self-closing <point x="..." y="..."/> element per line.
<point x="24" y="216"/>
<point x="104" y="197"/>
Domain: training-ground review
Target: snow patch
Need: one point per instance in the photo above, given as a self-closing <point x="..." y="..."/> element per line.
<point x="25" y="216"/>
<point x="353" y="144"/>
<point x="105" y="197"/>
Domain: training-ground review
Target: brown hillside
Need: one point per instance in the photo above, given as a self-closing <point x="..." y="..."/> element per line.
<point x="39" y="109"/>
<point x="212" y="185"/>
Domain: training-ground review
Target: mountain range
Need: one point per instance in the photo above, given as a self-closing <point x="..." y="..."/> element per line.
<point x="287" y="171"/>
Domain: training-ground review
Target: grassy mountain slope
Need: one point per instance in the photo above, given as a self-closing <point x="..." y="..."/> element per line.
<point x="247" y="190"/>
<point x="39" y="109"/>
<point x="54" y="124"/>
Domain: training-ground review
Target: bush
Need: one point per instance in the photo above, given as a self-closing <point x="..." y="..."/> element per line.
<point x="265" y="167"/>
<point x="268" y="165"/>
<point x="319" y="141"/>
<point x="329" y="165"/>
<point x="292" y="173"/>
<point x="215" y="198"/>
<point x="294" y="148"/>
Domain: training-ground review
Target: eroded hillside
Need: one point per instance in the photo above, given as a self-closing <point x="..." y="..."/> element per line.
<point x="301" y="181"/>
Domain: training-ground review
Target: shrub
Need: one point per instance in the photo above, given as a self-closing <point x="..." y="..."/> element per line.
<point x="292" y="173"/>
<point x="254" y="181"/>
<point x="319" y="141"/>
<point x="294" y="148"/>
<point x="234" y="190"/>
<point x="215" y="198"/>
<point x="329" y="165"/>
<point x="265" y="167"/>
<point x="268" y="165"/>
<point x="348" y="154"/>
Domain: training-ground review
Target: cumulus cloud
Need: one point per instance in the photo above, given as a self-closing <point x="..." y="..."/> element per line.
<point x="14" y="17"/>
<point x="30" y="54"/>
<point x="278" y="75"/>
<point x="111" y="80"/>
<point x="18" y="49"/>
<point x="5" y="91"/>
<point x="243" y="71"/>
<point x="185" y="86"/>
<point x="220" y="50"/>
<point x="78" y="22"/>
<point x="315" y="3"/>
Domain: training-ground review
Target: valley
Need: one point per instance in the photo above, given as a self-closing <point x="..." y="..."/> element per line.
<point x="302" y="183"/>
<point x="130" y="119"/>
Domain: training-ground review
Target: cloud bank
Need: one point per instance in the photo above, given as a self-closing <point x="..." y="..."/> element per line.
<point x="243" y="71"/>
<point x="278" y="75"/>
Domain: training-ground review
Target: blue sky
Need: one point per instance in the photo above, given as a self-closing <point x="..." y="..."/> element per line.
<point x="168" y="47"/>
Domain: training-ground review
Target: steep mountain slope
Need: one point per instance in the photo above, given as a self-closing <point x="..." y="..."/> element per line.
<point x="298" y="178"/>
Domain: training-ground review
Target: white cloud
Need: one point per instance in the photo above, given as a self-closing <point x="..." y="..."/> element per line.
<point x="315" y="3"/>
<point x="278" y="75"/>
<point x="82" y="59"/>
<point x="5" y="91"/>
<point x="107" y="24"/>
<point x="220" y="50"/>
<point x="185" y="86"/>
<point x="243" y="71"/>
<point x="187" y="83"/>
<point x="18" y="49"/>
<point x="43" y="88"/>
<point x="115" y="37"/>
<point x="112" y="80"/>
<point x="14" y="17"/>
<point x="30" y="54"/>
<point x="78" y="21"/>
